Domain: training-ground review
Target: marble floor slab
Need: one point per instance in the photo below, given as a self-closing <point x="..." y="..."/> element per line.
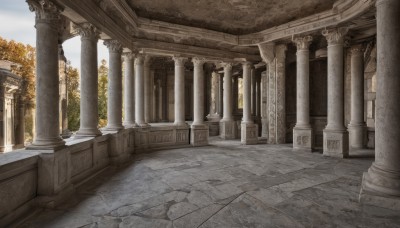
<point x="225" y="184"/>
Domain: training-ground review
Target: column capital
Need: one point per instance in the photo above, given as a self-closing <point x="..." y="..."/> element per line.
<point x="87" y="31"/>
<point x="303" y="43"/>
<point x="46" y="11"/>
<point x="335" y="36"/>
<point x="179" y="61"/>
<point x="113" y="45"/>
<point x="227" y="65"/>
<point x="198" y="62"/>
<point x="128" y="55"/>
<point x="147" y="60"/>
<point x="357" y="49"/>
<point x="247" y="65"/>
<point x="139" y="59"/>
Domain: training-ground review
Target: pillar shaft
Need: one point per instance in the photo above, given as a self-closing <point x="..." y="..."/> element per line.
<point x="335" y="134"/>
<point x="357" y="126"/>
<point x="147" y="89"/>
<point x="89" y="80"/>
<point x="302" y="133"/>
<point x="114" y="102"/>
<point x="139" y="91"/>
<point x="221" y="94"/>
<point x="179" y="90"/>
<point x="228" y="96"/>
<point x="47" y="135"/>
<point x="253" y="92"/>
<point x="129" y="91"/>
<point x="198" y="91"/>
<point x="381" y="185"/>
<point x="247" y="97"/>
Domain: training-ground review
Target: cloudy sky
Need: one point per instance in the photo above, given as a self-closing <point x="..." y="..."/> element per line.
<point x="17" y="23"/>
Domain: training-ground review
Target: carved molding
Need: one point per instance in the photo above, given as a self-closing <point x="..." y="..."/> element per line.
<point x="147" y="60"/>
<point x="46" y="11"/>
<point x="335" y="36"/>
<point x="113" y="45"/>
<point x="227" y="65"/>
<point x="303" y="43"/>
<point x="357" y="49"/>
<point x="247" y="65"/>
<point x="128" y="56"/>
<point x="87" y="31"/>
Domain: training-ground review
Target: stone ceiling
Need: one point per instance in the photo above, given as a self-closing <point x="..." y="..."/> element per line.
<point x="236" y="17"/>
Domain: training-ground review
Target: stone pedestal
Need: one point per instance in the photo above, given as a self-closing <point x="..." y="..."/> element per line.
<point x="249" y="132"/>
<point x="227" y="129"/>
<point x="302" y="138"/>
<point x="336" y="142"/>
<point x="381" y="184"/>
<point x="199" y="135"/>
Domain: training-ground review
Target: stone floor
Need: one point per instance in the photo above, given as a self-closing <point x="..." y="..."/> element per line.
<point x="224" y="185"/>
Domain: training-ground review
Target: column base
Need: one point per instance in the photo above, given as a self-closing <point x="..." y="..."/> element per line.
<point x="249" y="132"/>
<point x="113" y="128"/>
<point x="129" y="124"/>
<point x="336" y="143"/>
<point x="181" y="124"/>
<point x="66" y="134"/>
<point x="47" y="144"/>
<point x="227" y="129"/>
<point x="81" y="133"/>
<point x="357" y="136"/>
<point x="302" y="138"/>
<point x="199" y="135"/>
<point x="380" y="188"/>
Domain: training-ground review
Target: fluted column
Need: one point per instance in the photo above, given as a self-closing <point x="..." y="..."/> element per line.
<point x="180" y="90"/>
<point x="248" y="128"/>
<point x="89" y="80"/>
<point x="199" y="131"/>
<point x="336" y="138"/>
<point x="147" y="89"/>
<point x="381" y="184"/>
<point x="357" y="126"/>
<point x="139" y="91"/>
<point x="114" y="102"/>
<point x="129" y="90"/>
<point x="302" y="132"/>
<point x="47" y="134"/>
<point x="227" y="124"/>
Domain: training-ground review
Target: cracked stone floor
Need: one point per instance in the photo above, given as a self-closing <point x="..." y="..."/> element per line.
<point x="224" y="185"/>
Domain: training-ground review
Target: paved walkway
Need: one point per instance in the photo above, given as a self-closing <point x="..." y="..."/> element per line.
<point x="224" y="185"/>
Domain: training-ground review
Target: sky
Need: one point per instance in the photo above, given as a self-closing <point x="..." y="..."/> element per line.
<point x="17" y="23"/>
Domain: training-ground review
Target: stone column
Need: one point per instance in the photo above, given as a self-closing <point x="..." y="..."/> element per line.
<point x="63" y="80"/>
<point x="214" y="115"/>
<point x="253" y="93"/>
<point x="336" y="137"/>
<point x="227" y="124"/>
<point x="302" y="131"/>
<point x="248" y="128"/>
<point x="164" y="96"/>
<point x="139" y="91"/>
<point x="129" y="90"/>
<point x="47" y="135"/>
<point x="114" y="102"/>
<point x="381" y="184"/>
<point x="221" y="94"/>
<point x="264" y="105"/>
<point x="147" y="89"/>
<point x="199" y="130"/>
<point x="357" y="127"/>
<point x="180" y="91"/>
<point x="89" y="115"/>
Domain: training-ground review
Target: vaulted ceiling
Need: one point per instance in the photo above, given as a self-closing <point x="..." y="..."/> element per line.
<point x="236" y="17"/>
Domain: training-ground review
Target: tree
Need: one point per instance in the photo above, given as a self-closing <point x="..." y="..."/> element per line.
<point x="73" y="110"/>
<point x="23" y="55"/>
<point x="102" y="87"/>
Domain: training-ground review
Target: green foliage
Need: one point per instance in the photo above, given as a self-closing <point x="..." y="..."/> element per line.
<point x="73" y="110"/>
<point x="102" y="86"/>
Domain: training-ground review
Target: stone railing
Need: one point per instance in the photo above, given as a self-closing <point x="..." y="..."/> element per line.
<point x="44" y="178"/>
